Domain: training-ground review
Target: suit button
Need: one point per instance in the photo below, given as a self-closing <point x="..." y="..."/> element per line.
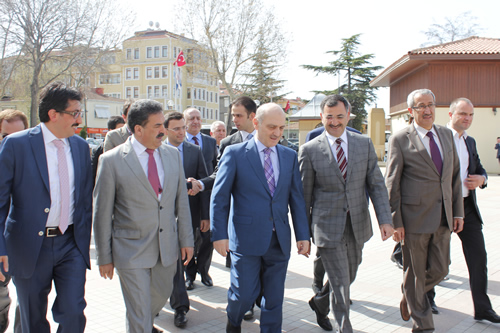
<point x="46" y="210"/>
<point x="40" y="233"/>
<point x="161" y="230"/>
<point x="161" y="207"/>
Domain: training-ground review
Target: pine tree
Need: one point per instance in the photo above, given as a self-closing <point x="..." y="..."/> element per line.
<point x="358" y="74"/>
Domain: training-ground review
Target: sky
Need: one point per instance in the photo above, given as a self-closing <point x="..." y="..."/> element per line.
<point x="389" y="30"/>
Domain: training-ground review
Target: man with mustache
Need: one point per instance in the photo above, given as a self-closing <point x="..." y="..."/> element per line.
<point x="141" y="216"/>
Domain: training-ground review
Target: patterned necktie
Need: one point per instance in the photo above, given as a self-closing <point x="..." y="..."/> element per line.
<point x="341" y="160"/>
<point x="435" y="154"/>
<point x="153" y="172"/>
<point x="249" y="136"/>
<point x="62" y="167"/>
<point x="195" y="139"/>
<point x="268" y="170"/>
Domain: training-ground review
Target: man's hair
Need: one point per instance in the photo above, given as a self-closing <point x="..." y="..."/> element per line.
<point x="411" y="97"/>
<point x="114" y="121"/>
<point x="454" y="103"/>
<point x="188" y="110"/>
<point x="11" y="115"/>
<point x="173" y="115"/>
<point x="56" y="96"/>
<point x="246" y="102"/>
<point x="214" y="125"/>
<point x="126" y="106"/>
<point x="140" y="111"/>
<point x="333" y="100"/>
<point x="264" y="108"/>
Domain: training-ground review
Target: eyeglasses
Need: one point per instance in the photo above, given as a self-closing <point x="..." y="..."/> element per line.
<point x="177" y="129"/>
<point x="423" y="107"/>
<point x="75" y="114"/>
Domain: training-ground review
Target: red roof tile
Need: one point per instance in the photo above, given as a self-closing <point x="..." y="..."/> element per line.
<point x="471" y="45"/>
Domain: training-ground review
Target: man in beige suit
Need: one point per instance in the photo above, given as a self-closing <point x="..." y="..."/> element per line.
<point x="423" y="180"/>
<point x="141" y="216"/>
<point x="118" y="136"/>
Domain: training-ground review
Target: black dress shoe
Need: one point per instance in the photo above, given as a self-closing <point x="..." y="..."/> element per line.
<point x="207" y="280"/>
<point x="434" y="307"/>
<point x="180" y="319"/>
<point x="232" y="329"/>
<point x="322" y="320"/>
<point x="155" y="330"/>
<point x="489" y="315"/>
<point x="189" y="284"/>
<point x="249" y="314"/>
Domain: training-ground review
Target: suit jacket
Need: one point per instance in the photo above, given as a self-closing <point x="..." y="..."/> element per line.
<point x="475" y="168"/>
<point x="417" y="192"/>
<point x="210" y="152"/>
<point x="194" y="166"/>
<point x="132" y="226"/>
<point x="116" y="137"/>
<point x="329" y="197"/>
<point x="241" y="192"/>
<point x="25" y="198"/>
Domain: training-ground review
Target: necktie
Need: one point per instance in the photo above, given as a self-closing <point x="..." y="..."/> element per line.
<point x="195" y="139"/>
<point x="62" y="168"/>
<point x="341" y="160"/>
<point x="435" y="154"/>
<point x="153" y="172"/>
<point x="268" y="170"/>
<point x="249" y="136"/>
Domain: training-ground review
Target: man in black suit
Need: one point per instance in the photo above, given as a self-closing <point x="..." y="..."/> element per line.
<point x="203" y="246"/>
<point x="194" y="166"/>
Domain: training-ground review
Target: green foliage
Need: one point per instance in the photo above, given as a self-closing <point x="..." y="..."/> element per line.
<point x="358" y="74"/>
<point x="83" y="132"/>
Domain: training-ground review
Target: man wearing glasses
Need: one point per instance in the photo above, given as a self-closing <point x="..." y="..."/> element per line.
<point x="46" y="212"/>
<point x="425" y="193"/>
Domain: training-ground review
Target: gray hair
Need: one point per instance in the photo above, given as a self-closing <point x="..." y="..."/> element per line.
<point x="411" y="96"/>
<point x="265" y="108"/>
<point x="214" y="125"/>
<point x="188" y="110"/>
<point x="455" y="102"/>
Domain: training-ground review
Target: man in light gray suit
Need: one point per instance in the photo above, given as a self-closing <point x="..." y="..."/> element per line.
<point x="141" y="216"/>
<point x="336" y="168"/>
<point x="425" y="192"/>
<point x="118" y="136"/>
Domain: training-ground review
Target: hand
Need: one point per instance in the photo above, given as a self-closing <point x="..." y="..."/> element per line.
<point x="474" y="181"/>
<point x="458" y="224"/>
<point x="222" y="246"/>
<point x="386" y="230"/>
<point x="107" y="271"/>
<point x="304" y="247"/>
<point x="5" y="261"/>
<point x="399" y="234"/>
<point x="204" y="225"/>
<point x="187" y="254"/>
<point x="196" y="186"/>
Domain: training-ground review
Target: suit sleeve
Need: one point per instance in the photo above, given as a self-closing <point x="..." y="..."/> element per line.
<point x="478" y="170"/>
<point x="394" y="170"/>
<point x="297" y="205"/>
<point x="308" y="175"/>
<point x="7" y="161"/>
<point x="205" y="195"/>
<point x="210" y="180"/>
<point x="184" y="223"/>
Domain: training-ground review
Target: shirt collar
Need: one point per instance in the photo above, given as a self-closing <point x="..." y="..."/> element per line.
<point x="48" y="136"/>
<point x="261" y="147"/>
<point x="455" y="133"/>
<point x="244" y="134"/>
<point x="423" y="131"/>
<point x="331" y="138"/>
<point x="190" y="136"/>
<point x="179" y="147"/>
<point x="138" y="147"/>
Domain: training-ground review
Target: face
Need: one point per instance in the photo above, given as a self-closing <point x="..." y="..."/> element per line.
<point x="424" y="117"/>
<point x="270" y="130"/>
<point x="62" y="124"/>
<point x="335" y="119"/>
<point x="461" y="119"/>
<point x="241" y="119"/>
<point x="12" y="127"/>
<point x="176" y="131"/>
<point x="220" y="133"/>
<point x="151" y="135"/>
<point x="193" y="122"/>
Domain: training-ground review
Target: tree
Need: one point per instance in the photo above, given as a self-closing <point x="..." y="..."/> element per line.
<point x="51" y="37"/>
<point x="229" y="31"/>
<point x="358" y="75"/>
<point x="263" y="84"/>
<point x="455" y="28"/>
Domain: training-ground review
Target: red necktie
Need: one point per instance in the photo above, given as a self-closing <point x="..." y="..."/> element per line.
<point x="341" y="160"/>
<point x="196" y="141"/>
<point x="153" y="172"/>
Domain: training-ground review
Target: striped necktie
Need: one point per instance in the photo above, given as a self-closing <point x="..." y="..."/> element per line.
<point x="341" y="160"/>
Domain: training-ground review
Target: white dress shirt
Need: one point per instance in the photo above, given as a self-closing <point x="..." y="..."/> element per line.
<point x="422" y="133"/>
<point x="273" y="156"/>
<point x="55" y="187"/>
<point x="244" y="135"/>
<point x="143" y="157"/>
<point x="333" y="145"/>
<point x="463" y="156"/>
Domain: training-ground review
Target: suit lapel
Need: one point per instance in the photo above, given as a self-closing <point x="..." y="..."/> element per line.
<point x="131" y="159"/>
<point x="38" y="148"/>
<point x="352" y="148"/>
<point x="419" y="146"/>
<point x="75" y="153"/>
<point x="253" y="158"/>
<point x="445" y="144"/>
<point x="168" y="169"/>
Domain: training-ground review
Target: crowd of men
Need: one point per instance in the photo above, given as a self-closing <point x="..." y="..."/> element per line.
<point x="164" y="195"/>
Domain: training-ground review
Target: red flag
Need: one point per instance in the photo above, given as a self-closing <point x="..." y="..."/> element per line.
<point x="180" y="60"/>
<point x="287" y="107"/>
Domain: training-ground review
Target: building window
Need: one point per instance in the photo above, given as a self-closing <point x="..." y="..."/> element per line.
<point x="129" y="54"/>
<point x="216" y="95"/>
<point x="157" y="91"/>
<point x="150" y="92"/>
<point x="164" y="51"/>
<point x="164" y="72"/>
<point x="136" y="73"/>
<point x="128" y="73"/>
<point x="157" y="72"/>
<point x="115" y="95"/>
<point x="216" y="113"/>
<point x="164" y="91"/>
<point x="149" y="72"/>
<point x="136" y="92"/>
<point x="136" y="53"/>
<point x="188" y="93"/>
<point x="175" y="52"/>
<point x="109" y="78"/>
<point x="211" y="96"/>
<point x="194" y="93"/>
<point x="157" y="51"/>
<point x="203" y="95"/>
<point x="149" y="52"/>
<point x="101" y="112"/>
<point x="203" y="113"/>
<point x="128" y="92"/>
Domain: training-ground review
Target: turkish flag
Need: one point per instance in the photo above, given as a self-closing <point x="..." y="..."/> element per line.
<point x="180" y="60"/>
<point x="287" y="107"/>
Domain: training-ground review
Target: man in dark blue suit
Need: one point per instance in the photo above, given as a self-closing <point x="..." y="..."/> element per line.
<point x="46" y="212"/>
<point x="262" y="178"/>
